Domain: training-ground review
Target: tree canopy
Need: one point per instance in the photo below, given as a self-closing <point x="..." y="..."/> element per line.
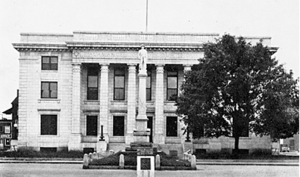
<point x="236" y="88"/>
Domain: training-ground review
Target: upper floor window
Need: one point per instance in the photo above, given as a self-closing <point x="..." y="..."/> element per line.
<point x="49" y="90"/>
<point x="49" y="62"/>
<point x="148" y="86"/>
<point x="92" y="83"/>
<point x="48" y="124"/>
<point x="119" y="84"/>
<point x="172" y="84"/>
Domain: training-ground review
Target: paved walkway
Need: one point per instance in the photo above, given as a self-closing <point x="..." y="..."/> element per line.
<point x="75" y="170"/>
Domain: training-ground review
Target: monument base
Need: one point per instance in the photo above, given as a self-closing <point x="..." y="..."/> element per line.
<point x="141" y="136"/>
<point x="101" y="146"/>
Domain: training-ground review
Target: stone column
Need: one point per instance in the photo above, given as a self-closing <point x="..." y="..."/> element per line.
<point x="131" y="103"/>
<point x="159" y="137"/>
<point x="103" y="113"/>
<point x="75" y="139"/>
<point x="188" y="134"/>
<point x="104" y="100"/>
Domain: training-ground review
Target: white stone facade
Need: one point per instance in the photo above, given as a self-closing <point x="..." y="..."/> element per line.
<point x="107" y="51"/>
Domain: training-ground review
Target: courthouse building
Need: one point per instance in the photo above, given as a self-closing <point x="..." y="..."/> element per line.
<point x="73" y="86"/>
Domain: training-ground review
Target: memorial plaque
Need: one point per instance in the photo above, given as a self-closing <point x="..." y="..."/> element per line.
<point x="144" y="151"/>
<point x="145" y="164"/>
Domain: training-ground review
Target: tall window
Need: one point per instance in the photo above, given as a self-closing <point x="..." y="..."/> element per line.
<point x="48" y="124"/>
<point x="172" y="126"/>
<point x="172" y="85"/>
<point x="49" y="62"/>
<point x="148" y="86"/>
<point x="91" y="125"/>
<point x="118" y="126"/>
<point x="92" y="83"/>
<point x="49" y="90"/>
<point x="119" y="84"/>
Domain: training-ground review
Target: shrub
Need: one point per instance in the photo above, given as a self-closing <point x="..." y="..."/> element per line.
<point x="261" y="152"/>
<point x="131" y="160"/>
<point x="37" y="154"/>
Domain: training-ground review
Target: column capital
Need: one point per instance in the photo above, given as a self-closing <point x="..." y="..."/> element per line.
<point x="160" y="65"/>
<point x="159" y="69"/>
<point x="132" y="64"/>
<point x="104" y="64"/>
<point x="104" y="67"/>
<point x="76" y="64"/>
<point x="131" y="68"/>
<point x="76" y="67"/>
<point x="187" y="67"/>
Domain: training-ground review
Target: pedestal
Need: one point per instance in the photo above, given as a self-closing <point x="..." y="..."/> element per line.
<point x="141" y="133"/>
<point x="101" y="146"/>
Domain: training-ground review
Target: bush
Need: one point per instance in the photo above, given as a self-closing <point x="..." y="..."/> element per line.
<point x="131" y="160"/>
<point x="261" y="152"/>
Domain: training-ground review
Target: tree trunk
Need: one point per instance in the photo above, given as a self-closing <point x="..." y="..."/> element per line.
<point x="236" y="147"/>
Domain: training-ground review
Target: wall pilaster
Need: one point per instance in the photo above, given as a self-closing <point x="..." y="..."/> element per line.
<point x="159" y="106"/>
<point x="75" y="140"/>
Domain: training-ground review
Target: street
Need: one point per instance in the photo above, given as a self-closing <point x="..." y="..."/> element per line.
<point x="75" y="170"/>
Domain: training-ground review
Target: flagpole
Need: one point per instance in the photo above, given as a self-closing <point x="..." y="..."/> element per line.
<point x="146" y="15"/>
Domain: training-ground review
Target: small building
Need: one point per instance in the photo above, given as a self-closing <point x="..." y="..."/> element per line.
<point x="5" y="134"/>
<point x="73" y="84"/>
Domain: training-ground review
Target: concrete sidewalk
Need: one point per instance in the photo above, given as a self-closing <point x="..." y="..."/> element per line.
<point x="256" y="162"/>
<point x="198" y="162"/>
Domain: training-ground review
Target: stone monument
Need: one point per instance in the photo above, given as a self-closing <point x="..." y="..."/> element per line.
<point x="141" y="133"/>
<point x="145" y="159"/>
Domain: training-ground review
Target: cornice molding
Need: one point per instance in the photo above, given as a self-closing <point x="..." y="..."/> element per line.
<point x="135" y="46"/>
<point x="125" y="46"/>
<point x="40" y="47"/>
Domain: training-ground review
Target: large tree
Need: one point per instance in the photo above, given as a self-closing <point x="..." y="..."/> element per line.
<point x="238" y="87"/>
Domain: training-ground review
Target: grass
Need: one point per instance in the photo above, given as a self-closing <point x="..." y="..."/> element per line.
<point x="256" y="155"/>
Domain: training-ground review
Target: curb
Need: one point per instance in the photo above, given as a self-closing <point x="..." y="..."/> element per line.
<point x="248" y="164"/>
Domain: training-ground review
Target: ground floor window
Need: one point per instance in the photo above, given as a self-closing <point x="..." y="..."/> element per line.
<point x="91" y="125"/>
<point x="48" y="124"/>
<point x="118" y="126"/>
<point x="171" y="126"/>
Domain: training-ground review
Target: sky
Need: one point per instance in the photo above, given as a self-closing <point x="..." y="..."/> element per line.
<point x="278" y="19"/>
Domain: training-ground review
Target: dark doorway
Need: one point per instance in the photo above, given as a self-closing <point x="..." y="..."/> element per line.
<point x="150" y="126"/>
